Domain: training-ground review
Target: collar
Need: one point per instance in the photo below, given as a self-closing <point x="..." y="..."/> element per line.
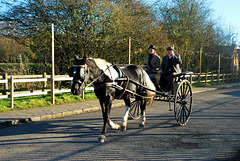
<point x="170" y="57"/>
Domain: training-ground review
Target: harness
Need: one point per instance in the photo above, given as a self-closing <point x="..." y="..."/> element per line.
<point x="122" y="78"/>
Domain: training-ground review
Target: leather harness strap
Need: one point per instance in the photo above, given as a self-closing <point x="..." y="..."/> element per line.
<point x="122" y="78"/>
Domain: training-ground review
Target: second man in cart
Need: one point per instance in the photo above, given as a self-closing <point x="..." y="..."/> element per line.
<point x="170" y="66"/>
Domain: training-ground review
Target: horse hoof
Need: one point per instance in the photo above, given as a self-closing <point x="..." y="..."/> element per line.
<point x="141" y="125"/>
<point x="123" y="128"/>
<point x="101" y="138"/>
<point x="117" y="127"/>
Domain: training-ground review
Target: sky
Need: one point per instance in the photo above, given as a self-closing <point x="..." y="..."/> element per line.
<point x="228" y="11"/>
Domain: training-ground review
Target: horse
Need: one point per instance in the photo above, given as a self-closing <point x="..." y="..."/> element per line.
<point x="108" y="85"/>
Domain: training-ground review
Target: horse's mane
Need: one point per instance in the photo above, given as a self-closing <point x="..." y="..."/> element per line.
<point x="100" y="63"/>
<point x="104" y="65"/>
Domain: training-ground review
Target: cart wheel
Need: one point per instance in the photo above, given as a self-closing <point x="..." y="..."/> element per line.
<point x="183" y="102"/>
<point x="134" y="111"/>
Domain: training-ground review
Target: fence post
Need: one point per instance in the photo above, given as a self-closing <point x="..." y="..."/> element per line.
<point x="191" y="79"/>
<point x="223" y="77"/>
<point x="199" y="78"/>
<point x="52" y="91"/>
<point x="11" y="92"/>
<point x="212" y="78"/>
<point x="44" y="83"/>
<point x="5" y="84"/>
<point x="218" y="75"/>
<point x="206" y="79"/>
<point x="129" y="51"/>
<point x="82" y="94"/>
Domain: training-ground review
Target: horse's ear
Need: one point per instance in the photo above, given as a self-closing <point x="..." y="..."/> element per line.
<point x="85" y="58"/>
<point x="76" y="57"/>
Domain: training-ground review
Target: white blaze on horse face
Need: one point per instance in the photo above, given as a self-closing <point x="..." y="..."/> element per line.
<point x="82" y="72"/>
<point x="107" y="68"/>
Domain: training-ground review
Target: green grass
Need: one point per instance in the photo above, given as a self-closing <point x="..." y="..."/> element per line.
<point x="208" y="84"/>
<point x="22" y="103"/>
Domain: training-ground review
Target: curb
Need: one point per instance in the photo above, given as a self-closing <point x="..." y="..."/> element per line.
<point x="61" y="114"/>
<point x="87" y="110"/>
<point x="215" y="88"/>
<point x="205" y="90"/>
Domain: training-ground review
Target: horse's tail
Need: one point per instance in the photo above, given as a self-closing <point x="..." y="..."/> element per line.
<point x="149" y="84"/>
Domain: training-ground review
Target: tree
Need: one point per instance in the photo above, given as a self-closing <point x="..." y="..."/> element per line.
<point x="93" y="28"/>
<point x="187" y="23"/>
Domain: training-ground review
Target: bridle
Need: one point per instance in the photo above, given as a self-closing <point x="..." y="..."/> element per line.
<point x="84" y="74"/>
<point x="105" y="84"/>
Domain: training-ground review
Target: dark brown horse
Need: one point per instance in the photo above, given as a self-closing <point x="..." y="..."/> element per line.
<point x="108" y="85"/>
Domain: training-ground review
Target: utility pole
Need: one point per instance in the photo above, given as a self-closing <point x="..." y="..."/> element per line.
<point x="219" y="62"/>
<point x="52" y="80"/>
<point x="129" y="51"/>
<point x="200" y="61"/>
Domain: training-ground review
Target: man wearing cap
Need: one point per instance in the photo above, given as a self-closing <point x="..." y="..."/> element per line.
<point x="170" y="65"/>
<point x="152" y="61"/>
<point x="152" y="64"/>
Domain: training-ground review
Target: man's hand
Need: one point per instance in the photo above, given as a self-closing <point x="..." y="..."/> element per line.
<point x="160" y="72"/>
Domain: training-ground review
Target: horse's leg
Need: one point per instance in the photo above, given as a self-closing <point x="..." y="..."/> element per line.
<point x="113" y="125"/>
<point x="102" y="137"/>
<point x="125" y="117"/>
<point x="106" y="108"/>
<point x="143" y="113"/>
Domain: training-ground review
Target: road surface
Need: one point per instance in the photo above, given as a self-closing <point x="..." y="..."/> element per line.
<point x="212" y="133"/>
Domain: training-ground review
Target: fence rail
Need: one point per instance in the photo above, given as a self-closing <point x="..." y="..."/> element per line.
<point x="8" y="80"/>
<point x="9" y="83"/>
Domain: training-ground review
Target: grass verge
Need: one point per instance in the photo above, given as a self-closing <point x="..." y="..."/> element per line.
<point x="23" y="103"/>
<point x="208" y="84"/>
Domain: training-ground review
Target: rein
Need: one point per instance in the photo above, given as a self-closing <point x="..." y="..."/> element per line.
<point x="95" y="79"/>
<point x="113" y="84"/>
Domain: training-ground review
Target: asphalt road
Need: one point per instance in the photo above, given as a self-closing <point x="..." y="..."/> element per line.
<point x="212" y="133"/>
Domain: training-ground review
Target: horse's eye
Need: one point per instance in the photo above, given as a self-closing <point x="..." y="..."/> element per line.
<point x="74" y="71"/>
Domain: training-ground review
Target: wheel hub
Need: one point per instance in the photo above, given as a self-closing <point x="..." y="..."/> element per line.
<point x="184" y="102"/>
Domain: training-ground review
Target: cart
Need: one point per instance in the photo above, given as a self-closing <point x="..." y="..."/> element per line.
<point x="180" y="95"/>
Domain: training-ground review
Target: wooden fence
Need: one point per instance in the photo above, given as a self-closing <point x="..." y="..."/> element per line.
<point x="9" y="84"/>
<point x="8" y="92"/>
<point x="210" y="77"/>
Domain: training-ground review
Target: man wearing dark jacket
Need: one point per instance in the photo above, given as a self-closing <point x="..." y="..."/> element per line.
<point x="152" y="61"/>
<point x="170" y="65"/>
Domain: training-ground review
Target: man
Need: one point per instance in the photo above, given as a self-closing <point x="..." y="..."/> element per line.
<point x="152" y="64"/>
<point x="170" y="65"/>
<point x="152" y="61"/>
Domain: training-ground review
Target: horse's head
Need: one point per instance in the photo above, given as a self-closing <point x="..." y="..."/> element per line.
<point x="80" y="73"/>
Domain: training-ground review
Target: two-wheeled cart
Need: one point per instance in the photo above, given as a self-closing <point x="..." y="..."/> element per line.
<point x="180" y="95"/>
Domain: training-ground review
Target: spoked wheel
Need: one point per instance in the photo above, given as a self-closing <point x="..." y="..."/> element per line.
<point x="183" y="102"/>
<point x="135" y="109"/>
